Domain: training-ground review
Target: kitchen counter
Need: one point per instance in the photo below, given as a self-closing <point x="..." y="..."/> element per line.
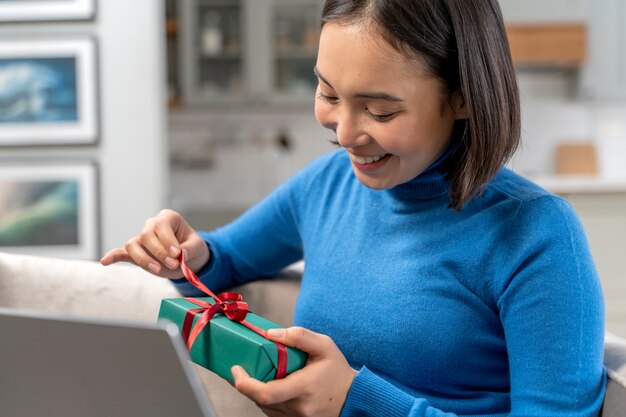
<point x="580" y="184"/>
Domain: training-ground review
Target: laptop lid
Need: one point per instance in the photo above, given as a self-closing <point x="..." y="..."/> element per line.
<point x="57" y="366"/>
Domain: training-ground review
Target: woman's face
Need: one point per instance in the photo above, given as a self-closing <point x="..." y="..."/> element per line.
<point x="392" y="118"/>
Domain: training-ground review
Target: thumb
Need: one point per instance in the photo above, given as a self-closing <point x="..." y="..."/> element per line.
<point x="314" y="344"/>
<point x="195" y="254"/>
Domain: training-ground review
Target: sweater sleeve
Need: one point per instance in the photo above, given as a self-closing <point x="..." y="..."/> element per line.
<point x="371" y="395"/>
<point x="260" y="243"/>
<point x="552" y="312"/>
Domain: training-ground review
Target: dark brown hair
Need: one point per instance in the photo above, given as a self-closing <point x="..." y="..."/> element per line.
<point x="464" y="44"/>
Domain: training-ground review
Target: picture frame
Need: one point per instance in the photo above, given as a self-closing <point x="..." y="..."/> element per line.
<point x="50" y="209"/>
<point x="46" y="10"/>
<point x="48" y="91"/>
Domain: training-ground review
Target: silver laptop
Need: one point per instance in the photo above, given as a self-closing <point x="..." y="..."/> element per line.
<point x="56" y="366"/>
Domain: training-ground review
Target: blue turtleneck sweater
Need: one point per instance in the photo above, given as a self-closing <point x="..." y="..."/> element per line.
<point x="492" y="310"/>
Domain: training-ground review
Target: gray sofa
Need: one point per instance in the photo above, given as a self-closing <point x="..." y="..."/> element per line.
<point x="88" y="289"/>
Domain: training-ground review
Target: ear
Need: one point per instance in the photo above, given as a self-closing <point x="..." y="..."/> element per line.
<point x="457" y="102"/>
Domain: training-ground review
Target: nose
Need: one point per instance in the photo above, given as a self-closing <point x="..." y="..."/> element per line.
<point x="348" y="130"/>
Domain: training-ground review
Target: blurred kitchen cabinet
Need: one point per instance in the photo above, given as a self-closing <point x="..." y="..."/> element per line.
<point x="604" y="76"/>
<point x="603" y="215"/>
<point x="248" y="51"/>
<point x="585" y="34"/>
<point x="546" y="34"/>
<point x="548" y="45"/>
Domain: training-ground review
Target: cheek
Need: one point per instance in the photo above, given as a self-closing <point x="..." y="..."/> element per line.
<point x="395" y="138"/>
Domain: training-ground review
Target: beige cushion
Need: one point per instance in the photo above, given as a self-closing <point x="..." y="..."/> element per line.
<point x="80" y="287"/>
<point x="615" y="363"/>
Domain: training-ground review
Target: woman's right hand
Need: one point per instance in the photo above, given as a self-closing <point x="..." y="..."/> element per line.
<point x="157" y="248"/>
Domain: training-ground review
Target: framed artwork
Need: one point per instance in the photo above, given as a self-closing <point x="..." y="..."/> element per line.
<point x="49" y="210"/>
<point x="42" y="10"/>
<point x="48" y="91"/>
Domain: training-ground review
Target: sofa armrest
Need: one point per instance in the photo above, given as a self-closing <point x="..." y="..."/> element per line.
<point x="615" y="363"/>
<point x="124" y="291"/>
<point x="83" y="288"/>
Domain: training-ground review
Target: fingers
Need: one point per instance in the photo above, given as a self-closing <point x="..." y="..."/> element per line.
<point x="135" y="255"/>
<point x="320" y="388"/>
<point x="264" y="394"/>
<point x="196" y="252"/>
<point x="157" y="238"/>
<point x="314" y="344"/>
<point x="156" y="248"/>
<point x="140" y="255"/>
<point x="165" y="236"/>
<point x="115" y="255"/>
<point x="160" y="243"/>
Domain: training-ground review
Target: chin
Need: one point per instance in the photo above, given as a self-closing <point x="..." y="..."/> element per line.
<point x="375" y="184"/>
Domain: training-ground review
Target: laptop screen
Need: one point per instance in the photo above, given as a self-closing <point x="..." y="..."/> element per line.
<point x="56" y="366"/>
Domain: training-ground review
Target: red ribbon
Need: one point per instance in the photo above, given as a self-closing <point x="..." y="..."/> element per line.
<point x="231" y="305"/>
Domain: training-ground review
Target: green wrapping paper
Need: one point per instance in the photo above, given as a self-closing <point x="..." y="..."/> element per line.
<point x="224" y="343"/>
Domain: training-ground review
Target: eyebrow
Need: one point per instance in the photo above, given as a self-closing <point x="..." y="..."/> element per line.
<point x="370" y="95"/>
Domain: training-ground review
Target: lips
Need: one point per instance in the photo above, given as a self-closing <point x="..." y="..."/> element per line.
<point x="364" y="160"/>
<point x="369" y="163"/>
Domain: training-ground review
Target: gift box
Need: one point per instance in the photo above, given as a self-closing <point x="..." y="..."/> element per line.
<point x="223" y="342"/>
<point x="220" y="333"/>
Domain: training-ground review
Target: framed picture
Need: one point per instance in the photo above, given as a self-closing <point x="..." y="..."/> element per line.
<point x="48" y="91"/>
<point x="42" y="10"/>
<point x="49" y="210"/>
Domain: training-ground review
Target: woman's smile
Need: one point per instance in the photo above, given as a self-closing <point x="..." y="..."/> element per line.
<point x="368" y="163"/>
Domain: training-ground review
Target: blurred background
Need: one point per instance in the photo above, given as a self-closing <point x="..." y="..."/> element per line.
<point x="205" y="106"/>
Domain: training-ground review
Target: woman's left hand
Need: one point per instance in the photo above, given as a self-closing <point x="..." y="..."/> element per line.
<point x="318" y="389"/>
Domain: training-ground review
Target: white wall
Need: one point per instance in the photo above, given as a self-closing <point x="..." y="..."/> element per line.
<point x="133" y="149"/>
<point x="131" y="152"/>
<point x="542" y="11"/>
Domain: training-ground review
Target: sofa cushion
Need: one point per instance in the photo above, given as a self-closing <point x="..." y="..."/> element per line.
<point x="615" y="363"/>
<point x="80" y="287"/>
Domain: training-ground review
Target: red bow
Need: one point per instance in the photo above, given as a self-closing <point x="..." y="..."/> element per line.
<point x="229" y="304"/>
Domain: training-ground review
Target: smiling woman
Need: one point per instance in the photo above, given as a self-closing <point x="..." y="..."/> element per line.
<point x="391" y="116"/>
<point x="436" y="281"/>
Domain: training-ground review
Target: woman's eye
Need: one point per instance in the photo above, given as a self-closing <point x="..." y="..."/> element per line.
<point x="380" y="117"/>
<point x="326" y="99"/>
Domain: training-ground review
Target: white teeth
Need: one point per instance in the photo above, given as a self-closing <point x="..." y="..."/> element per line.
<point x="365" y="160"/>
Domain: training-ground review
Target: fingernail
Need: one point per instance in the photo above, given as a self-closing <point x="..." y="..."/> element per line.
<point x="235" y="371"/>
<point x="277" y="333"/>
<point x="171" y="263"/>
<point x="153" y="267"/>
<point x="174" y="251"/>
